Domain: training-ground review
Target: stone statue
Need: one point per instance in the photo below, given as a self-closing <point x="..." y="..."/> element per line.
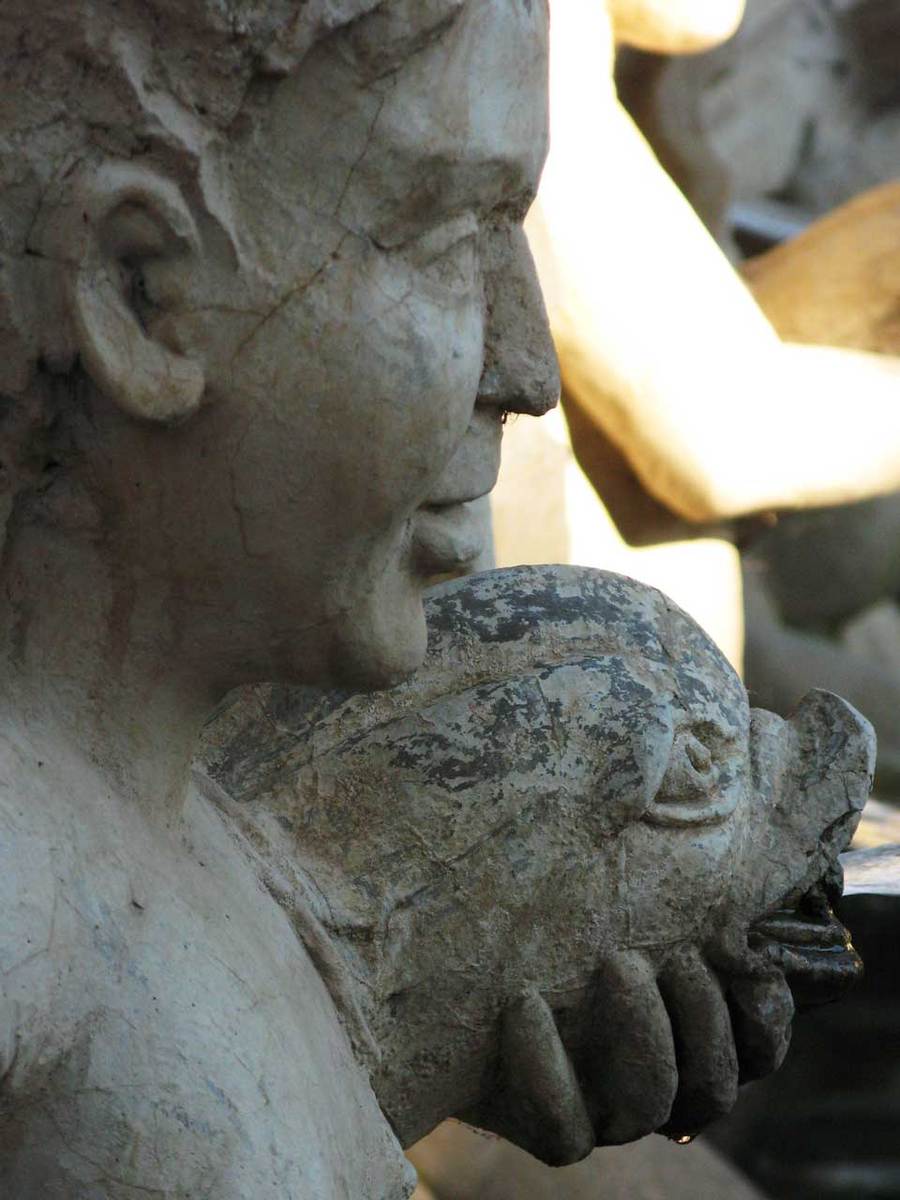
<point x="560" y="881"/>
<point x="265" y="302"/>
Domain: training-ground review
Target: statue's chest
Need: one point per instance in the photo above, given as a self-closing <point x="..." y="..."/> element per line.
<point x="174" y="1040"/>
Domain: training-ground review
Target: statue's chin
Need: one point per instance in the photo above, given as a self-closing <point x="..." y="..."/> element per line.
<point x="383" y="641"/>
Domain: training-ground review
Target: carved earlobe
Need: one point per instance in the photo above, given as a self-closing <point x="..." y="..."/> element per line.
<point x="131" y="215"/>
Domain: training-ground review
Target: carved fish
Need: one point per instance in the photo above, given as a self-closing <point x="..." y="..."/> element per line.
<point x="564" y="880"/>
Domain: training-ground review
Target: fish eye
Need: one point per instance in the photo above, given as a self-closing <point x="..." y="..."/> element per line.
<point x="692" y="770"/>
<point x="698" y="755"/>
<point x="695" y="788"/>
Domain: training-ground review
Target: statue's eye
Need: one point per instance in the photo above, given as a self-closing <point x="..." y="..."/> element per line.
<point x="695" y="789"/>
<point x="440" y="240"/>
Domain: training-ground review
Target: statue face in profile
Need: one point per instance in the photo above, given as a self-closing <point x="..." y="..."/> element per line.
<point x="374" y="188"/>
<point x="264" y="301"/>
<point x="292" y="317"/>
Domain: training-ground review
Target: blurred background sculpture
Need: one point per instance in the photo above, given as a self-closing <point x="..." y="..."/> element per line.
<point x="685" y="406"/>
<point x="822" y="586"/>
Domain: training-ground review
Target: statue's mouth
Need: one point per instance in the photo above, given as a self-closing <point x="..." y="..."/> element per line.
<point x="806" y="940"/>
<point x="448" y="538"/>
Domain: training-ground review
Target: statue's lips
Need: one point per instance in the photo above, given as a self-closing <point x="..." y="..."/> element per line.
<point x="449" y="537"/>
<point x="807" y="941"/>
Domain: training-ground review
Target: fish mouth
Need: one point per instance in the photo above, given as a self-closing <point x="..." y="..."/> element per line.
<point x="804" y="938"/>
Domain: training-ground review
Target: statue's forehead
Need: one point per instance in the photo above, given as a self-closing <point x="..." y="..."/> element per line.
<point x="458" y="124"/>
<point x="392" y="30"/>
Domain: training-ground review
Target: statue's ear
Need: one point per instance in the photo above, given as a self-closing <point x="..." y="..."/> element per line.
<point x="130" y="216"/>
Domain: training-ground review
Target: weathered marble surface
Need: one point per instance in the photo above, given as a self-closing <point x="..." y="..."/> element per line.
<point x="264" y="303"/>
<point x="541" y="876"/>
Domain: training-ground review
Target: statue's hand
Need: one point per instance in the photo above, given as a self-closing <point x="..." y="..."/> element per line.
<point x="661" y="1055"/>
<point x="662" y="1050"/>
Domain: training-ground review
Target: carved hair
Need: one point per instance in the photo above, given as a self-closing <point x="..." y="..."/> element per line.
<point x="160" y="81"/>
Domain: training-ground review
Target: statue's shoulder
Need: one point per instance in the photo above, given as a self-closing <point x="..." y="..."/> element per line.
<point x="39" y="807"/>
<point x="90" y="973"/>
<point x="30" y="806"/>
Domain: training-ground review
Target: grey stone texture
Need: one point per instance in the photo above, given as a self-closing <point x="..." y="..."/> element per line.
<point x="266" y="302"/>
<point x="250" y="262"/>
<point x="562" y="879"/>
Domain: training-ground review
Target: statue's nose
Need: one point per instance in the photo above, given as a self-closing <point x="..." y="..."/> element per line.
<point x="836" y="753"/>
<point x="520" y="373"/>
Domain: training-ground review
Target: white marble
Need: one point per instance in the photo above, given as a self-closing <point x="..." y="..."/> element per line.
<point x="265" y="301"/>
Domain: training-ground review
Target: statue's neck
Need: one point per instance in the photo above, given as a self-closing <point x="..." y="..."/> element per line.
<point x="93" y="662"/>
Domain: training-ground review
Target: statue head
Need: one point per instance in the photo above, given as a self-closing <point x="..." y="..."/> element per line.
<point x="265" y="300"/>
<point x="580" y="878"/>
